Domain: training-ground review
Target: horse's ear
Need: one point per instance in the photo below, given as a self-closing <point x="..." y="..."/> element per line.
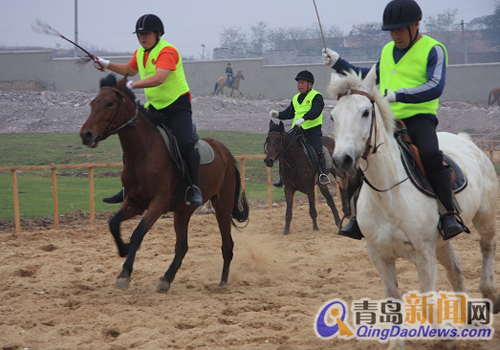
<point x="282" y="126"/>
<point x="369" y="81"/>
<point x="333" y="89"/>
<point x="121" y="84"/>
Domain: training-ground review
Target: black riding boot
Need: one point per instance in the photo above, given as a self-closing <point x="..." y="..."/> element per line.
<point x="117" y="198"/>
<point x="323" y="177"/>
<point x="279" y="182"/>
<point x="194" y="196"/>
<point x="352" y="230"/>
<point x="448" y="226"/>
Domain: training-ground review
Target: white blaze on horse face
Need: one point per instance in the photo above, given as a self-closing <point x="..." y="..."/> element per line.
<point x="352" y="118"/>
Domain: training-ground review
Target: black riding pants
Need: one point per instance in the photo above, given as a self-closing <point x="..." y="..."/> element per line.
<point x="422" y="131"/>
<point x="178" y="118"/>
<point x="314" y="136"/>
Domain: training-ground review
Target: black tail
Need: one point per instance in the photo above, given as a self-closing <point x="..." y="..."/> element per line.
<point x="215" y="89"/>
<point x="241" y="209"/>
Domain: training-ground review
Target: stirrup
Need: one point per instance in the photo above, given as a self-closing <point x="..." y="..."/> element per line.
<point x="193" y="196"/>
<point x="278" y="183"/>
<point x="323" y="179"/>
<point x="453" y="230"/>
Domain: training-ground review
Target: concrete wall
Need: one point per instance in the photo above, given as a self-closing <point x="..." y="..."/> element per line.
<point x="470" y="82"/>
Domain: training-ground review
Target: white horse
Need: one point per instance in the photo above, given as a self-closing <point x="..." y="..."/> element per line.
<point x="402" y="222"/>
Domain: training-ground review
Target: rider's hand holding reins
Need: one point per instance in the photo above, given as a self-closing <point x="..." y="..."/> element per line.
<point x="274" y="114"/>
<point x="100" y="63"/>
<point x="299" y="122"/>
<point x="330" y="57"/>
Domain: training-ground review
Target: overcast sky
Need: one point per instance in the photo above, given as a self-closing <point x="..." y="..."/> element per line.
<point x="108" y="24"/>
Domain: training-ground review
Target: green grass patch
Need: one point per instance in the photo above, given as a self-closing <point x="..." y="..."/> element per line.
<point x="35" y="187"/>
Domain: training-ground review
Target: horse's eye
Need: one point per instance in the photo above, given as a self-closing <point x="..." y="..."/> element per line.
<point x="366" y="113"/>
<point x="110" y="104"/>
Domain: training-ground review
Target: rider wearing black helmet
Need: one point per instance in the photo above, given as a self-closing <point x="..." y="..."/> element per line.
<point x="306" y="110"/>
<point x="411" y="74"/>
<point x="160" y="67"/>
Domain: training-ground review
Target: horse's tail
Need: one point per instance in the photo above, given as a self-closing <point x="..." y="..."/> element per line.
<point x="215" y="88"/>
<point x="241" y="210"/>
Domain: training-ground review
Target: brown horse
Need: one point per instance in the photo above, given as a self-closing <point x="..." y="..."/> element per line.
<point x="221" y="82"/>
<point x="151" y="178"/>
<point x="494" y="96"/>
<point x="297" y="172"/>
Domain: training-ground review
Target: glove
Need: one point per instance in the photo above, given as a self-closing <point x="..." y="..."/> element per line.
<point x="129" y="84"/>
<point x="274" y="114"/>
<point x="330" y="57"/>
<point x="299" y="121"/>
<point x="390" y="97"/>
<point x="100" y="63"/>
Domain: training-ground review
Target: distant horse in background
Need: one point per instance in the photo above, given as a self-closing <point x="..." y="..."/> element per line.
<point x="398" y="220"/>
<point x="494" y="96"/>
<point x="221" y="82"/>
<point x="151" y="179"/>
<point x="297" y="172"/>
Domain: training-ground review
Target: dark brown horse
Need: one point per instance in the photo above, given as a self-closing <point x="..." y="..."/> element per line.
<point x="297" y="172"/>
<point x="221" y="82"/>
<point x="151" y="178"/>
<point x="494" y="96"/>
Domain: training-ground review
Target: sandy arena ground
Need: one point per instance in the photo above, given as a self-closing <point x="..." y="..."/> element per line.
<point x="57" y="289"/>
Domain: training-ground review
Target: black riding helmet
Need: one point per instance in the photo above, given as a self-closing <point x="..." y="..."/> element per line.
<point x="401" y="13"/>
<point x="149" y="23"/>
<point x="305" y="75"/>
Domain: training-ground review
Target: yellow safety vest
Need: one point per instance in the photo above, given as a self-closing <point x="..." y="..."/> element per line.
<point x="302" y="108"/>
<point x="175" y="85"/>
<point x="409" y="72"/>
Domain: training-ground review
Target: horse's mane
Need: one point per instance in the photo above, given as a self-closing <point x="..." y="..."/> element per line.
<point x="110" y="80"/>
<point x="343" y="83"/>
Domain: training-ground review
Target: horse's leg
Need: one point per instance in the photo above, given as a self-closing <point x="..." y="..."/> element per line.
<point x="484" y="222"/>
<point x="181" y="221"/>
<point x="446" y="256"/>
<point x="289" y="194"/>
<point x="153" y="213"/>
<point x="312" y="209"/>
<point x="386" y="269"/>
<point x="232" y="90"/>
<point x="331" y="203"/>
<point x="223" y="216"/>
<point x="127" y="211"/>
<point x="239" y="92"/>
<point x="426" y="264"/>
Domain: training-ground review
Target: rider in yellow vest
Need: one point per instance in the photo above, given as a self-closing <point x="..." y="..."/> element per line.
<point x="306" y="110"/>
<point x="411" y="74"/>
<point x="168" y="98"/>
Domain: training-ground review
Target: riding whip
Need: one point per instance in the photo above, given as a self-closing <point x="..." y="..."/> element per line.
<point x="319" y="22"/>
<point x="41" y="27"/>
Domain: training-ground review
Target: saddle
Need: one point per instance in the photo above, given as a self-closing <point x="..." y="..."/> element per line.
<point x="312" y="155"/>
<point x="207" y="156"/>
<point x="412" y="163"/>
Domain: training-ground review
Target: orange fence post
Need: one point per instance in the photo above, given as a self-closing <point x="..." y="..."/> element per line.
<point x="269" y="195"/>
<point x="54" y="199"/>
<point x="243" y="181"/>
<point x="91" y="189"/>
<point x="15" y="192"/>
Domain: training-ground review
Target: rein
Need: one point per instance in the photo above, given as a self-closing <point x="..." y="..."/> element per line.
<point x="368" y="146"/>
<point x="283" y="149"/>
<point x="131" y="122"/>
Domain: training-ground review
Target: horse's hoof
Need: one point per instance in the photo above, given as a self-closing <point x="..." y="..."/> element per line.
<point x="223" y="284"/>
<point x="122" y="282"/>
<point x="285" y="233"/>
<point x="162" y="286"/>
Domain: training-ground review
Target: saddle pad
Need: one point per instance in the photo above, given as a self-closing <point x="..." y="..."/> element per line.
<point x="419" y="180"/>
<point x="207" y="153"/>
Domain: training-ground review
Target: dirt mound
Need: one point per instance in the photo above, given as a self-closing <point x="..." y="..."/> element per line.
<point x="49" y="111"/>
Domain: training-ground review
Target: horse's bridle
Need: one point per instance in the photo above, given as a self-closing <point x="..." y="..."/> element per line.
<point x="131" y="122"/>
<point x="283" y="149"/>
<point x="368" y="146"/>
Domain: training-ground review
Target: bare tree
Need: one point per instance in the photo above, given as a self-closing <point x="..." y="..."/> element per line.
<point x="234" y="39"/>
<point x="443" y="25"/>
<point x="259" y="41"/>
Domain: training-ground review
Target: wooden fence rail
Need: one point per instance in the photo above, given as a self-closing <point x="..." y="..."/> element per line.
<point x="489" y="143"/>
